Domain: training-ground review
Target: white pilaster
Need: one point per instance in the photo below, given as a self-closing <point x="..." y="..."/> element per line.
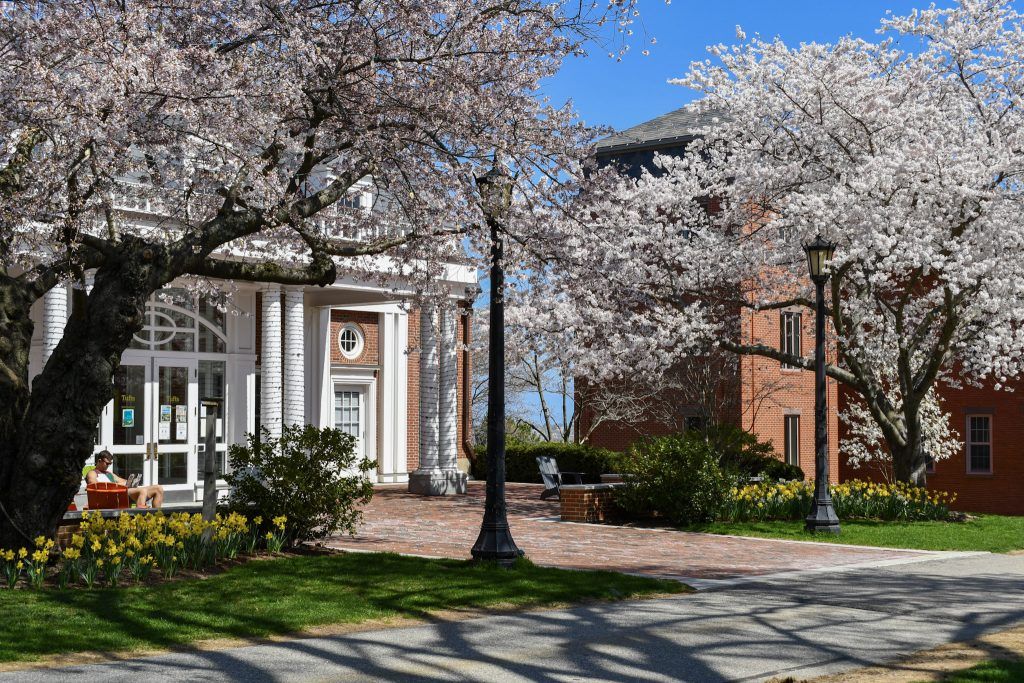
<point x="448" y="397"/>
<point x="270" y="370"/>
<point x="323" y="380"/>
<point x="55" y="317"/>
<point x="394" y="340"/>
<point x="294" y="357"/>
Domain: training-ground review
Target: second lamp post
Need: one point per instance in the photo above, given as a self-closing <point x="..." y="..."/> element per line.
<point x="822" y="517"/>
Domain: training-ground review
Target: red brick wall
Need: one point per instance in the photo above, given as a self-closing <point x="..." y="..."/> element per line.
<point x="587" y="505"/>
<point x="1001" y="491"/>
<point x="369" y="325"/>
<point x="769" y="392"/>
<point x="998" y="492"/>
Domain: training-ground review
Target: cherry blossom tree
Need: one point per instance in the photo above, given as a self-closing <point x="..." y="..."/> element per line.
<point x="244" y="126"/>
<point x="907" y="152"/>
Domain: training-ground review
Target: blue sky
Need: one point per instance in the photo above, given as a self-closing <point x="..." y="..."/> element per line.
<point x="622" y="94"/>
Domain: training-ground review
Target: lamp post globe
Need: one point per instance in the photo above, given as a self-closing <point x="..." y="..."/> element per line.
<point x="495" y="543"/>
<point x="822" y="516"/>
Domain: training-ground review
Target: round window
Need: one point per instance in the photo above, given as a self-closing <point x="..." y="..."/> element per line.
<point x="350" y="341"/>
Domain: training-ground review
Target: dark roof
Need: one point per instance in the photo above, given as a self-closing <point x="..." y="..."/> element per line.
<point x="678" y="125"/>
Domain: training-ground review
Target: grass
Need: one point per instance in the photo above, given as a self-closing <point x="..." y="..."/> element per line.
<point x="992" y="671"/>
<point x="994" y="533"/>
<point x="279" y="596"/>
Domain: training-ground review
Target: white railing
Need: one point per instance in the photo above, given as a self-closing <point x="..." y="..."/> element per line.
<point x="337" y="222"/>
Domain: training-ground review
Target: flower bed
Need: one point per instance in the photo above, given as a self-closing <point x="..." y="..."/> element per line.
<point x="130" y="548"/>
<point x="852" y="499"/>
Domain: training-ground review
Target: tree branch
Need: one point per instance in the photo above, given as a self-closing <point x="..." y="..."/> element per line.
<point x="320" y="272"/>
<point x="765" y="351"/>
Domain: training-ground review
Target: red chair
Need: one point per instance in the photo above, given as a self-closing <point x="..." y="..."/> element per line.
<point x="105" y="495"/>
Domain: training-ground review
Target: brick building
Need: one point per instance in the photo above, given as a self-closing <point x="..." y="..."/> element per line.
<point x="351" y="355"/>
<point x="777" y="403"/>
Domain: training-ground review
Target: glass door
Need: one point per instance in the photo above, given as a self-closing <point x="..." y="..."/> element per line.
<point x="212" y="403"/>
<point x="174" y="420"/>
<point x="132" y="406"/>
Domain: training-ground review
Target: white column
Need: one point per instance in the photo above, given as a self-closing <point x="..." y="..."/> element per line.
<point x="55" y="317"/>
<point x="438" y="473"/>
<point x="270" y="368"/>
<point x="294" y="357"/>
<point x="448" y="399"/>
<point x="429" y="371"/>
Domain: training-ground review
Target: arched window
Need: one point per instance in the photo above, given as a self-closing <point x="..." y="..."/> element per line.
<point x="178" y="321"/>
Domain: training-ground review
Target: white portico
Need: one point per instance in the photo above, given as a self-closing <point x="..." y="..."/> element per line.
<point x="353" y="356"/>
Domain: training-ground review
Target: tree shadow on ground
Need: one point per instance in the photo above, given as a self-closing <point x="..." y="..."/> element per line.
<point x="748" y="632"/>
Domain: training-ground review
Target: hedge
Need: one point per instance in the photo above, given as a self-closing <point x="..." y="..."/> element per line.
<point x="521" y="461"/>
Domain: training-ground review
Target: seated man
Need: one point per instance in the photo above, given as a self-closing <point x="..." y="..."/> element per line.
<point x="140" y="495"/>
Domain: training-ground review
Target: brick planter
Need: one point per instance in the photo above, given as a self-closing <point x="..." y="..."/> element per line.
<point x="588" y="502"/>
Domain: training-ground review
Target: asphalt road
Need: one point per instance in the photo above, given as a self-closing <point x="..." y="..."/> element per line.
<point x="799" y="625"/>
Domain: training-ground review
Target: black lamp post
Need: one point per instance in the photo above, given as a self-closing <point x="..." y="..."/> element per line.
<point x="495" y="540"/>
<point x="822" y="517"/>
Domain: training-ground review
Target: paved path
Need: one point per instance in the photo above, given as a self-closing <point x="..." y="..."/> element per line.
<point x="398" y="521"/>
<point x="763" y="628"/>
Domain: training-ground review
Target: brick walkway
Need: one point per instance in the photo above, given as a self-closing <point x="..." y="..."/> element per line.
<point x="398" y="521"/>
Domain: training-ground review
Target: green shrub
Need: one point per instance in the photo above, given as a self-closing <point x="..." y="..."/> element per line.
<point x="521" y="461"/>
<point x="311" y="476"/>
<point x="678" y="477"/>
<point x="743" y="453"/>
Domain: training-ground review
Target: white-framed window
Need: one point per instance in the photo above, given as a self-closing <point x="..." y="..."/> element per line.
<point x="979" y="444"/>
<point x="791" y="439"/>
<point x="789" y="336"/>
<point x="350" y="341"/>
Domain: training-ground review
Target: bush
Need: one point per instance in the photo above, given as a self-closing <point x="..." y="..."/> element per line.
<point x="309" y="475"/>
<point x="678" y="477"/>
<point x="742" y="452"/>
<point x="521" y="461"/>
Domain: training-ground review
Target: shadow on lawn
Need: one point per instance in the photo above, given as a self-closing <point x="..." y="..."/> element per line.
<point x="265" y="598"/>
<point x="751" y="631"/>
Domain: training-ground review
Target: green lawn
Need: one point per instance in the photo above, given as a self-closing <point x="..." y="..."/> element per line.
<point x="994" y="671"/>
<point x="285" y="595"/>
<point x="995" y="533"/>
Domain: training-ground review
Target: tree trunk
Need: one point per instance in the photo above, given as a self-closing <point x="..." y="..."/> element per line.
<point x="56" y="434"/>
<point x="15" y="342"/>
<point x="910" y="462"/>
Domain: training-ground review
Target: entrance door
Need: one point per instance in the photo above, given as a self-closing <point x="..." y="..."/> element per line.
<point x="132" y="424"/>
<point x="174" y="421"/>
<point x="350" y="414"/>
